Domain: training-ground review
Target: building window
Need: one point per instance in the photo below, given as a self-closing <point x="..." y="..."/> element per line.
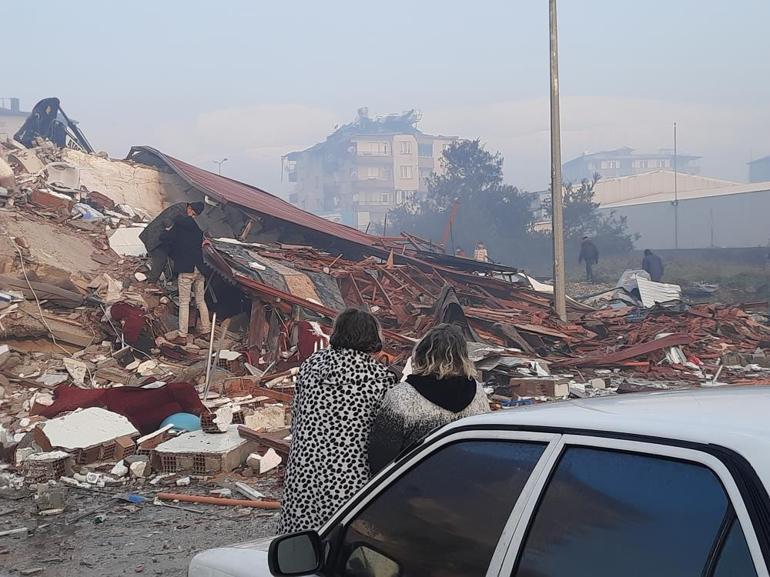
<point x="373" y="172"/>
<point x="406" y="172"/>
<point x="385" y="198"/>
<point x="425" y="149"/>
<point x="663" y="164"/>
<point x="406" y="147"/>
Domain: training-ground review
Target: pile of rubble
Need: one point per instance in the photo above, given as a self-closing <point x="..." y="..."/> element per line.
<point x="96" y="392"/>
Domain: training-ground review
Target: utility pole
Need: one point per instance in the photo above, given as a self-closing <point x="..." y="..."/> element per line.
<point x="676" y="197"/>
<point x="219" y="164"/>
<point x="557" y="222"/>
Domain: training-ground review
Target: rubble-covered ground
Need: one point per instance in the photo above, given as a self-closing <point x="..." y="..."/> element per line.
<point x="103" y="411"/>
<point x="119" y="538"/>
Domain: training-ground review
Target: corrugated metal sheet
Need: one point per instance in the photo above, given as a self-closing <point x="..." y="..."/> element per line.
<point x="652" y="293"/>
<point x="255" y="199"/>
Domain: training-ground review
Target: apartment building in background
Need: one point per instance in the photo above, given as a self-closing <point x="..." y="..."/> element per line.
<point x="365" y="168"/>
<point x="626" y="162"/>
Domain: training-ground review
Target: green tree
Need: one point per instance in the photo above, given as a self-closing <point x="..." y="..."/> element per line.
<point x="487" y="210"/>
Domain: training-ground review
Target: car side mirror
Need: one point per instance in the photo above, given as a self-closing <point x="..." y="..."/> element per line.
<point x="295" y="554"/>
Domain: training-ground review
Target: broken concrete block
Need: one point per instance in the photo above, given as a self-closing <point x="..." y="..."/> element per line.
<point x="124" y="447"/>
<point x="252" y="461"/>
<point x="269" y="461"/>
<point x="54" y="201"/>
<point x="226" y="493"/>
<point x="47" y="466"/>
<point x="263" y="463"/>
<point x="119" y="470"/>
<point x="218" y="421"/>
<point x="598" y="383"/>
<point x="140" y="469"/>
<point x="89" y="433"/>
<point x="131" y="459"/>
<point x="535" y="387"/>
<point x="77" y="370"/>
<point x="183" y="482"/>
<point x="267" y="419"/>
<point x="50" y="496"/>
<point x="202" y="453"/>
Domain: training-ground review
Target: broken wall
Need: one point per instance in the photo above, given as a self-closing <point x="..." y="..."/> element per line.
<point x="137" y="185"/>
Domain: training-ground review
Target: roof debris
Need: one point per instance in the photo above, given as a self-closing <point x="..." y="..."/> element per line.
<point x="91" y="358"/>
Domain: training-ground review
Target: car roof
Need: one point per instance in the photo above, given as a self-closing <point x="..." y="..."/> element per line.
<point x="734" y="417"/>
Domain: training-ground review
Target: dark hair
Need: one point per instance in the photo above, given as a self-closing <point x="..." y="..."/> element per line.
<point x="356" y="330"/>
<point x="647" y="251"/>
<point x="198" y="207"/>
<point x="443" y="353"/>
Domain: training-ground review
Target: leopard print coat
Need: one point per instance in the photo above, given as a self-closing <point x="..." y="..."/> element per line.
<point x="337" y="396"/>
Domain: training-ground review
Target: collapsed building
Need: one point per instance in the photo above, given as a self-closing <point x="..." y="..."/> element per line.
<point x="74" y="304"/>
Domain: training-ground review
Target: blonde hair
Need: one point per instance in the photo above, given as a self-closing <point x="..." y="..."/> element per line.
<point x="443" y="353"/>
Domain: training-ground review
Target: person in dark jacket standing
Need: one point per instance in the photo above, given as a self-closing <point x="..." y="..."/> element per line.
<point x="589" y="254"/>
<point x="653" y="265"/>
<point x="441" y="389"/>
<point x="185" y="240"/>
<point x="152" y="237"/>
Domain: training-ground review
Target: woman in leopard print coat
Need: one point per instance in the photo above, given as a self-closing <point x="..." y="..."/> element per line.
<point x="338" y="393"/>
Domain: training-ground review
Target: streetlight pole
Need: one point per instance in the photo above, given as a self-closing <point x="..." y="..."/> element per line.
<point x="557" y="223"/>
<point x="219" y="164"/>
<point x="676" y="197"/>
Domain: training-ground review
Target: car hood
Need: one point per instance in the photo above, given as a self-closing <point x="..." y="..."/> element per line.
<point x="242" y="560"/>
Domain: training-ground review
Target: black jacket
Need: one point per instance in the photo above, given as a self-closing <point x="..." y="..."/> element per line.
<point x="184" y="241"/>
<point x="152" y="233"/>
<point x="588" y="252"/>
<point x="413" y="409"/>
<point x="654" y="266"/>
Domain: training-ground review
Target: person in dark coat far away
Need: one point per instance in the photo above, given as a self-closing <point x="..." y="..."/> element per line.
<point x="185" y="240"/>
<point x="653" y="265"/>
<point x="589" y="254"/>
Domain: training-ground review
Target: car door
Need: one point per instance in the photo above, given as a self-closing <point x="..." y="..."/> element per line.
<point x="447" y="511"/>
<point x="609" y="507"/>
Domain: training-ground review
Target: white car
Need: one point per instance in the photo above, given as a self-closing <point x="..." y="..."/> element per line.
<point x="661" y="484"/>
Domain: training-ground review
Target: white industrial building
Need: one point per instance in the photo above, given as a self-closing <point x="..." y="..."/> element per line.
<point x="710" y="212"/>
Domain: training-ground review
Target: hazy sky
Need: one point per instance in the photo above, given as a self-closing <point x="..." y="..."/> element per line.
<point x="252" y="80"/>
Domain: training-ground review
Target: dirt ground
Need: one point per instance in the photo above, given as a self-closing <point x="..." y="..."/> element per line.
<point x="129" y="539"/>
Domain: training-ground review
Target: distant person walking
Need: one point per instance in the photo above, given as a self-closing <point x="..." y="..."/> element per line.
<point x="184" y="240"/>
<point x="481" y="254"/>
<point x="653" y="265"/>
<point x="589" y="254"/>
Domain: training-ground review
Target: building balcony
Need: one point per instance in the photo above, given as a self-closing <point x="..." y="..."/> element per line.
<point x="373" y="184"/>
<point x="374" y="159"/>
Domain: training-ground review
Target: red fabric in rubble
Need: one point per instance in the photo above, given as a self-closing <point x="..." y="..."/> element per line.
<point x="132" y="317"/>
<point x="145" y="408"/>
